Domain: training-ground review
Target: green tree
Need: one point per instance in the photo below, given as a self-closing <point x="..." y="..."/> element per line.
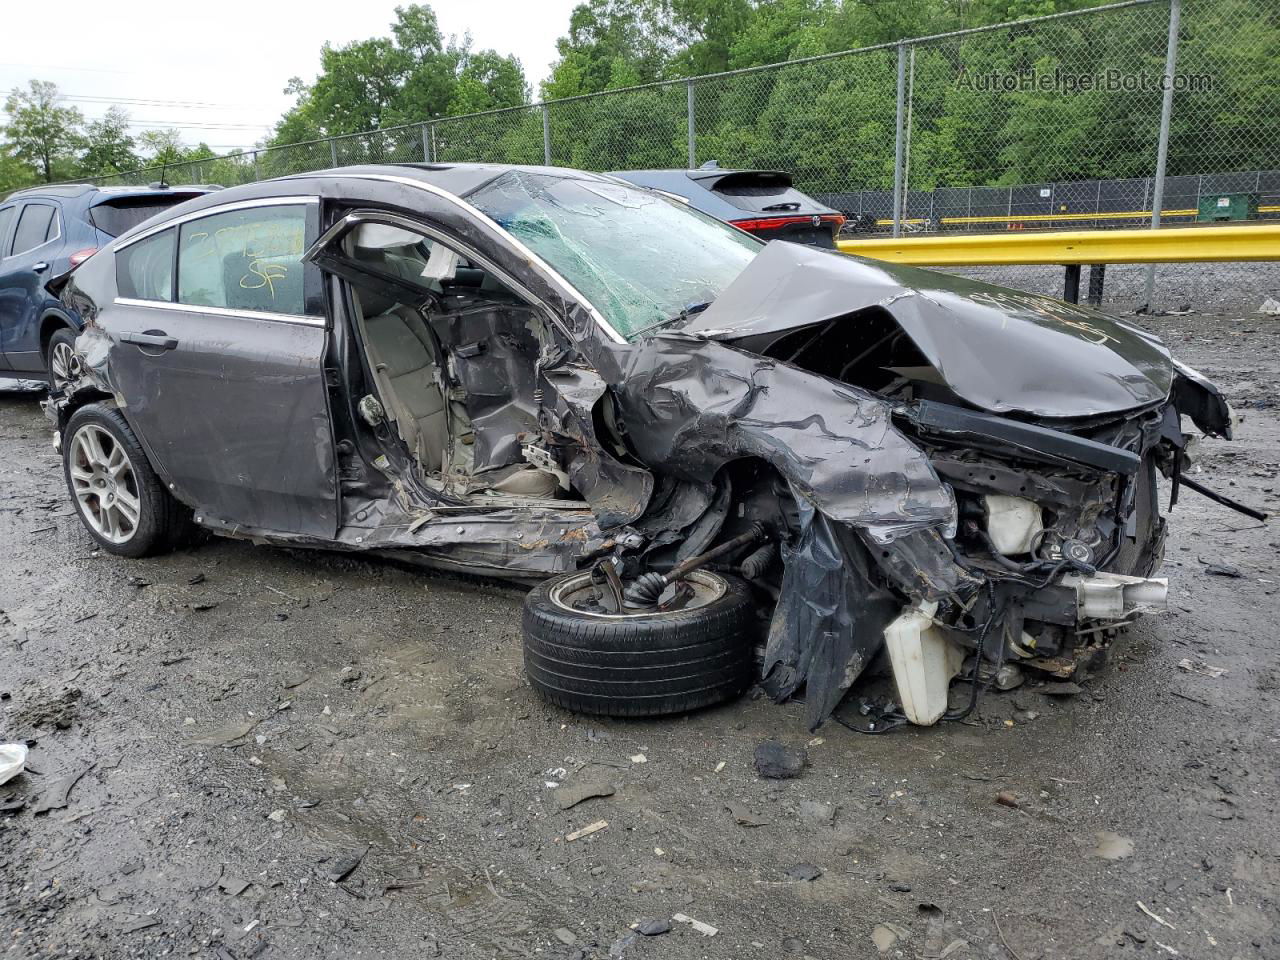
<point x="14" y="173"/>
<point x="41" y="132"/>
<point x="413" y="75"/>
<point x="109" y="147"/>
<point x="610" y="44"/>
<point x="164" y="147"/>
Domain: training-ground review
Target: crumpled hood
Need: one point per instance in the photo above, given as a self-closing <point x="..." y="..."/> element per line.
<point x="999" y="349"/>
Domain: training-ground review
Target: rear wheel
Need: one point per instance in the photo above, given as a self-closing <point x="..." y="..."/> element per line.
<point x="644" y="663"/>
<point x="60" y="358"/>
<point x="121" y="501"/>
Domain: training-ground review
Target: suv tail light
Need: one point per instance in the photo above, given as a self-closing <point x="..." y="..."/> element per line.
<point x="770" y="223"/>
<point x="80" y="256"/>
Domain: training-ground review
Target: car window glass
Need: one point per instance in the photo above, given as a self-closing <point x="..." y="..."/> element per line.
<point x="6" y="218"/>
<point x="144" y="270"/>
<point x="642" y="260"/>
<point x="35" y="224"/>
<point x="118" y="215"/>
<point x="245" y="260"/>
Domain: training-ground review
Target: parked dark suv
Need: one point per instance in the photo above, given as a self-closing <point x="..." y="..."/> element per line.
<point x="44" y="232"/>
<point x="761" y="202"/>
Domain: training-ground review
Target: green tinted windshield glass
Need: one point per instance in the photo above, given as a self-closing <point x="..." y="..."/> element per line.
<point x="641" y="260"/>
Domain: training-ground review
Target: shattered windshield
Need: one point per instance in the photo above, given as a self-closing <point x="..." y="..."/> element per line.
<point x="642" y="260"/>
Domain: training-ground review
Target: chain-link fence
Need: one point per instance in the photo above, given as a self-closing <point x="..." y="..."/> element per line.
<point x="1050" y="122"/>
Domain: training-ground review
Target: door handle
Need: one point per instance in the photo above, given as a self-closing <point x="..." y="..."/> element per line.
<point x="157" y="339"/>
<point x="40" y="267"/>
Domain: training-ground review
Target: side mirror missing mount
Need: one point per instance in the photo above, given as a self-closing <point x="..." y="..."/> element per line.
<point x="371" y="410"/>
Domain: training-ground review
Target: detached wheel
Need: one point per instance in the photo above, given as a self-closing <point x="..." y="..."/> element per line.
<point x="641" y="664"/>
<point x="121" y="501"/>
<point x="59" y="356"/>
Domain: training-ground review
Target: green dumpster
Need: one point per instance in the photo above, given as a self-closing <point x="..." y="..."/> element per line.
<point x="1227" y="206"/>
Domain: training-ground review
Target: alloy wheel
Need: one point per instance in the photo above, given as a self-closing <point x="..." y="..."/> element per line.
<point x="61" y="359"/>
<point x="105" y="484"/>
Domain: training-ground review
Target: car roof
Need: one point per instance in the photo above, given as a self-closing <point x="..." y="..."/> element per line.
<point x="458" y="179"/>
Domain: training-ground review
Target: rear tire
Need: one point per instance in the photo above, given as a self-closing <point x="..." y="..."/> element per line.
<point x="640" y="665"/>
<point x="119" y="498"/>
<point x="58" y="358"/>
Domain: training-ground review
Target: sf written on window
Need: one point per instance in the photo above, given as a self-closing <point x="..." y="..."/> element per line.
<point x="248" y="260"/>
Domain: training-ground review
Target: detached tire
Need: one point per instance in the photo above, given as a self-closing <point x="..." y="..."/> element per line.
<point x="640" y="665"/>
<point x="120" y="500"/>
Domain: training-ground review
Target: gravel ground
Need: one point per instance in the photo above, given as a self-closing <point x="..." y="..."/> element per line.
<point x="241" y="725"/>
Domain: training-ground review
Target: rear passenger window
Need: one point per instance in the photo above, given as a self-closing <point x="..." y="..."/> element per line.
<point x="144" y="270"/>
<point x="245" y="260"/>
<point x="36" y="224"/>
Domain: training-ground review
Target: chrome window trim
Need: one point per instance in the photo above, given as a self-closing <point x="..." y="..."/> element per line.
<point x="212" y="211"/>
<point x="57" y="219"/>
<point x="488" y="224"/>
<point x="304" y="321"/>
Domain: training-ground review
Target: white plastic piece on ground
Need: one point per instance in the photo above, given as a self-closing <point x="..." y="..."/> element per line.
<point x="1013" y="524"/>
<point x="13" y="760"/>
<point x="924" y="663"/>
<point x="1113" y="596"/>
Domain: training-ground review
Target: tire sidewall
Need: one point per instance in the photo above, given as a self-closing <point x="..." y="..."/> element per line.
<point x="648" y="665"/>
<point x="147" y="534"/>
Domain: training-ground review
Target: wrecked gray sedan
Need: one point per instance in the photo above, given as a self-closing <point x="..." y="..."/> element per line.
<point x="721" y="461"/>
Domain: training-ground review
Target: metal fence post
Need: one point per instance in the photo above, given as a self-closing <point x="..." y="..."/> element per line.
<point x="546" y="135"/>
<point x="898" y="144"/>
<point x="1162" y="149"/>
<point x="426" y="143"/>
<point x="333" y="151"/>
<point x="257" y="172"/>
<point x="693" y="135"/>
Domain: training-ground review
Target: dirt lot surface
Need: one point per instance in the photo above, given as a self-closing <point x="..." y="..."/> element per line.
<point x="223" y="733"/>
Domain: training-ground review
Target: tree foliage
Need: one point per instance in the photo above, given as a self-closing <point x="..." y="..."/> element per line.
<point x="414" y="74"/>
<point x="43" y="133"/>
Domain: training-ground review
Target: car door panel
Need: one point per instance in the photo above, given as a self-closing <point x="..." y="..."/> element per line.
<point x="235" y="412"/>
<point x="23" y="272"/>
<point x="228" y="390"/>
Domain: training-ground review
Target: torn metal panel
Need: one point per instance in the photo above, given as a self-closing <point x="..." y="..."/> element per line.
<point x="999" y="349"/>
<point x="830" y="618"/>
<point x="618" y="492"/>
<point x="703" y="404"/>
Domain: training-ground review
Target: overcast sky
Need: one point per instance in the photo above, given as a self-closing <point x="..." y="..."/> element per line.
<point x="218" y="74"/>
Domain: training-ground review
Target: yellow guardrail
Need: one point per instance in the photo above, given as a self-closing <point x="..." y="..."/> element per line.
<point x="1257" y="241"/>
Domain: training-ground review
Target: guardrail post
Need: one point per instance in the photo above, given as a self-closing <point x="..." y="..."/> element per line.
<point x="546" y="136"/>
<point x="692" y="130"/>
<point x="898" y="143"/>
<point x="1071" y="283"/>
<point x="1162" y="148"/>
